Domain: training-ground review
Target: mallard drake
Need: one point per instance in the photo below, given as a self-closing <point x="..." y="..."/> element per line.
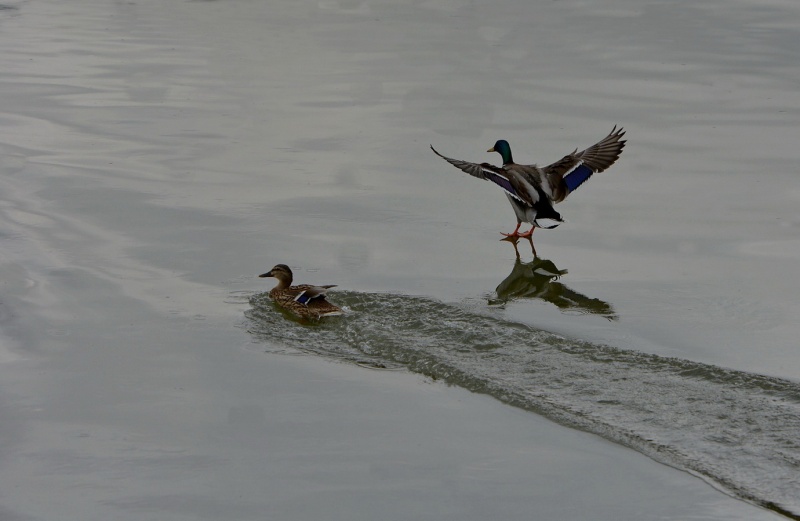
<point x="532" y="190"/>
<point x="305" y="300"/>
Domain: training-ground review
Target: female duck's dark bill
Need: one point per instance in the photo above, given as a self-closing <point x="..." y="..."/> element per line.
<point x="267" y="274"/>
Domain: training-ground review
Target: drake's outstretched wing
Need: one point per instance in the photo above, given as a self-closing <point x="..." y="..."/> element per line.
<point x="574" y="169"/>
<point x="491" y="173"/>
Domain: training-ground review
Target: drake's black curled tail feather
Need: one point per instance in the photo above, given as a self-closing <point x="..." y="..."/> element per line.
<point x="546" y="216"/>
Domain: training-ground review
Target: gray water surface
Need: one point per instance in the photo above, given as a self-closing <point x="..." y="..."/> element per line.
<point x="736" y="429"/>
<point x="156" y="156"/>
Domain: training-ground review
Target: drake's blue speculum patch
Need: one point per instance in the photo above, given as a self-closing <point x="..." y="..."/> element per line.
<point x="577" y="177"/>
<point x="501" y="181"/>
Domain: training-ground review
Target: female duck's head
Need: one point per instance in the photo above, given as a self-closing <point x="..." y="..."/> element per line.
<point x="282" y="272"/>
<point x="504" y="149"/>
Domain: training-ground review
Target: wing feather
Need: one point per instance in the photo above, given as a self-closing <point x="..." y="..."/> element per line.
<point x="310" y="293"/>
<point x="569" y="172"/>
<point x="491" y="173"/>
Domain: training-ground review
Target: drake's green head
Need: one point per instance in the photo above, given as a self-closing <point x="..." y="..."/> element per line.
<point x="504" y="149"/>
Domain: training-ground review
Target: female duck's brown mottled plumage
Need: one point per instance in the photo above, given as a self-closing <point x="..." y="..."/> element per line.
<point x="532" y="190"/>
<point x="305" y="300"/>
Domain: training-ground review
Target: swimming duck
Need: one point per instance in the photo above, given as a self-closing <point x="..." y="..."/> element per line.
<point x="532" y="190"/>
<point x="305" y="301"/>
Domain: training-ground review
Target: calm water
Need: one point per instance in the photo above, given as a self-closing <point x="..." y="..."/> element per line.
<point x="157" y="156"/>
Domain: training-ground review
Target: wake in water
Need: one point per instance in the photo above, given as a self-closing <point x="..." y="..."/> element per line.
<point x="735" y="429"/>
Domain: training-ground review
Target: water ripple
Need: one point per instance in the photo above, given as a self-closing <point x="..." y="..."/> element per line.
<point x="735" y="429"/>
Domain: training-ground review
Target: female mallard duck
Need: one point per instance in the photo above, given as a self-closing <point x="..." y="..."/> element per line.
<point x="532" y="190"/>
<point x="305" y="301"/>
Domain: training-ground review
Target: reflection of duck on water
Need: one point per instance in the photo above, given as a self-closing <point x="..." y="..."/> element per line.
<point x="537" y="279"/>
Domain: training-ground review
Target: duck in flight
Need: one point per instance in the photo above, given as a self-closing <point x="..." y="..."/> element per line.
<point x="533" y="190"/>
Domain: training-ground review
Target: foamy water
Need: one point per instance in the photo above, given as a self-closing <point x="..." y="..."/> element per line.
<point x="737" y="430"/>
